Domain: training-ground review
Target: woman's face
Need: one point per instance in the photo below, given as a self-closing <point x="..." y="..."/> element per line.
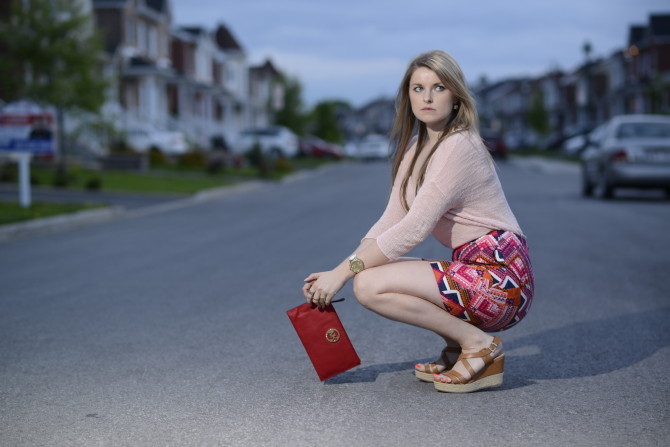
<point x="432" y="103"/>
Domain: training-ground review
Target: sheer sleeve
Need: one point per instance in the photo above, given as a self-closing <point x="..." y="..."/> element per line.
<point x="394" y="211"/>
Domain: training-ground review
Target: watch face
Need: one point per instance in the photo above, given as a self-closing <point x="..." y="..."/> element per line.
<point x="356" y="265"/>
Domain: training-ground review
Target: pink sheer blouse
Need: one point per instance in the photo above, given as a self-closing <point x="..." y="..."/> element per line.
<point x="460" y="200"/>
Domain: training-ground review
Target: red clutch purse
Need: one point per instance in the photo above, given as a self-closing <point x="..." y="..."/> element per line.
<point x="324" y="338"/>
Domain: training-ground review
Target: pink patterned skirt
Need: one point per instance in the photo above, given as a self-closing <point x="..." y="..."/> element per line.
<point x="488" y="282"/>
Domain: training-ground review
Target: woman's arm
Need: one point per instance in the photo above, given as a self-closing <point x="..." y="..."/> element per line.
<point x="320" y="288"/>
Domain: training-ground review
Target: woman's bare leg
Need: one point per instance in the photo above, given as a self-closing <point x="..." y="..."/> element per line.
<point x="407" y="292"/>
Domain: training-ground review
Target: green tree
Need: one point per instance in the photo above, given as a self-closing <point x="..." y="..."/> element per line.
<point x="538" y="118"/>
<point x="53" y="57"/>
<point x="292" y="114"/>
<point x="324" y="120"/>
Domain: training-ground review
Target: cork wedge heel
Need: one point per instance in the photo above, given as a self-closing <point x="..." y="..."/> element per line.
<point x="490" y="376"/>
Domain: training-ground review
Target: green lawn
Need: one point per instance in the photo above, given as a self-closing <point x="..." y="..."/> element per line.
<point x="163" y="179"/>
<point x="11" y="212"/>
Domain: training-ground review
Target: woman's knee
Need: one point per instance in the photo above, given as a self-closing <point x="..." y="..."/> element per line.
<point x="365" y="288"/>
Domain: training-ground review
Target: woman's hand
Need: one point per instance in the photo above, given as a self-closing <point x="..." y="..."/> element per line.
<point x="320" y="288"/>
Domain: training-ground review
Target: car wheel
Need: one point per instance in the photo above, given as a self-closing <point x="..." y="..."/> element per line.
<point x="587" y="186"/>
<point x="605" y="190"/>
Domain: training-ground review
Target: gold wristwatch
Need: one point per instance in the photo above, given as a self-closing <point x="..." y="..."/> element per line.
<point x="356" y="264"/>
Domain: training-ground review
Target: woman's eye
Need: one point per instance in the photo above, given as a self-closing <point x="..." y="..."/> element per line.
<point x="417" y="88"/>
<point x="440" y="88"/>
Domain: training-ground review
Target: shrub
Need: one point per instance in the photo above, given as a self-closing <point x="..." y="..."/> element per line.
<point x="193" y="159"/>
<point x="93" y="184"/>
<point x="259" y="161"/>
<point x="156" y="157"/>
<point x="283" y="165"/>
<point x="9" y="174"/>
<point x="63" y="179"/>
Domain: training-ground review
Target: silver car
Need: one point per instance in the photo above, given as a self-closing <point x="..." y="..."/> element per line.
<point x="628" y="151"/>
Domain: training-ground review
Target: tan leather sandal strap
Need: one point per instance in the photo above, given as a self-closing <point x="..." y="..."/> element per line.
<point x="455" y="376"/>
<point x="430" y="368"/>
<point x="485" y="354"/>
<point x="468" y="367"/>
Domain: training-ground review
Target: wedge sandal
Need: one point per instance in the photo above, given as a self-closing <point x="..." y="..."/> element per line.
<point x="430" y="369"/>
<point x="490" y="376"/>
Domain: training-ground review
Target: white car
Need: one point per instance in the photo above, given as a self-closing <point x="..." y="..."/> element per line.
<point x="373" y="146"/>
<point x="142" y="139"/>
<point x="277" y="141"/>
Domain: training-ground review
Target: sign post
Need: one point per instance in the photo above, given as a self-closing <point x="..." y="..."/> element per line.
<point x="24" y="179"/>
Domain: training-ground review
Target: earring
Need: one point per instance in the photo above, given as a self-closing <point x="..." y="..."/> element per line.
<point x="455" y="106"/>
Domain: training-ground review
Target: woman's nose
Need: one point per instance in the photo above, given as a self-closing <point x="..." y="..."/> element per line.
<point x="427" y="96"/>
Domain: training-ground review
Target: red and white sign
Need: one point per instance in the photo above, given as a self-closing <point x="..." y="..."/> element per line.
<point x="26" y="127"/>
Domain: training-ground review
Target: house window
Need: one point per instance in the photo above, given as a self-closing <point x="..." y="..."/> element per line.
<point x="152" y="41"/>
<point x="142" y="36"/>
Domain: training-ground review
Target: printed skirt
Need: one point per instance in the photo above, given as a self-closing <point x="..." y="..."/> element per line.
<point x="488" y="282"/>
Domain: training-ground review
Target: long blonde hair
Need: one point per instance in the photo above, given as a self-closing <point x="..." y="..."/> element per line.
<point x="405" y="125"/>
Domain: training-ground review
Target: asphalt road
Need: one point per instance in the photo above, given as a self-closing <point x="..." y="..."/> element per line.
<point x="169" y="328"/>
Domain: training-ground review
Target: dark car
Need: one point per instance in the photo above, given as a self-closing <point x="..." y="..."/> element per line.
<point x="495" y="143"/>
<point x="317" y="148"/>
<point x="628" y="151"/>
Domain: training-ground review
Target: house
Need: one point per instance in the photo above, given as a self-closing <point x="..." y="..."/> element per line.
<point x="136" y="36"/>
<point x="633" y="80"/>
<point x="375" y="117"/>
<point x="648" y="54"/>
<point x="265" y="93"/>
<point x="185" y="78"/>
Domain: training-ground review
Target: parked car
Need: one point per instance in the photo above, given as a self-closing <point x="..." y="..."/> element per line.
<point x="494" y="143"/>
<point x="144" y="138"/>
<point x="277" y="141"/>
<point x="373" y="146"/>
<point x="627" y="151"/>
<point x="316" y="147"/>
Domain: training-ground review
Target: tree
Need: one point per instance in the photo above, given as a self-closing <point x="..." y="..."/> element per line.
<point x="52" y="56"/>
<point x="291" y="114"/>
<point x="324" y="120"/>
<point x="538" y="118"/>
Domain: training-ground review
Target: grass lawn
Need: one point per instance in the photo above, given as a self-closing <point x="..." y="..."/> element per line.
<point x="11" y="212"/>
<point x="162" y="179"/>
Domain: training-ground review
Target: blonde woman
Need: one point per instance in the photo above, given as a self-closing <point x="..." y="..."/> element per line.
<point x="444" y="184"/>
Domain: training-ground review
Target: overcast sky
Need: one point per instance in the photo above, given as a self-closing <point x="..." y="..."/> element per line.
<point x="357" y="50"/>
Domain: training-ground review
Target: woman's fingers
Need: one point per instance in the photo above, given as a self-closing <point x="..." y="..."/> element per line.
<point x="312" y="277"/>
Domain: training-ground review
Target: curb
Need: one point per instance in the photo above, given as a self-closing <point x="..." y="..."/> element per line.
<point x="51" y="224"/>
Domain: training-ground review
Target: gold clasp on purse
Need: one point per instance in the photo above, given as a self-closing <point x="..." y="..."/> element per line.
<point x="333" y="335"/>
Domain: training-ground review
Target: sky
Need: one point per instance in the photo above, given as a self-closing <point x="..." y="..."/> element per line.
<point x="358" y="50"/>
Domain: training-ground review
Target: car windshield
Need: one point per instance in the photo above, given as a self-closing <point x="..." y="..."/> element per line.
<point x="643" y="130"/>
